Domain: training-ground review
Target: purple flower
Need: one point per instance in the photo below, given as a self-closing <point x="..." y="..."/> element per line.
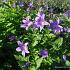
<point x="27" y="64"/>
<point x="11" y="37"/>
<point x="21" y="4"/>
<point x="22" y="47"/>
<point x="54" y="25"/>
<point x="30" y="5"/>
<point x="46" y="6"/>
<point x="44" y="53"/>
<point x="64" y="58"/>
<point x="67" y="13"/>
<point x="67" y="30"/>
<point x="40" y="21"/>
<point x="26" y="23"/>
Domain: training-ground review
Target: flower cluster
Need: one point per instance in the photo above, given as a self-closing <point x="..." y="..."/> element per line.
<point x="40" y="22"/>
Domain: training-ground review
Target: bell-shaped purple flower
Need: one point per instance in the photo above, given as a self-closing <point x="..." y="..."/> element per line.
<point x="64" y="58"/>
<point x="27" y="65"/>
<point x="44" y="53"/>
<point x="67" y="13"/>
<point x="26" y="23"/>
<point x="22" y="47"/>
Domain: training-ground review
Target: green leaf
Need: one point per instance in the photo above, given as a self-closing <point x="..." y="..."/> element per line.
<point x="58" y="42"/>
<point x="38" y="62"/>
<point x="35" y="43"/>
<point x="32" y="68"/>
<point x="67" y="63"/>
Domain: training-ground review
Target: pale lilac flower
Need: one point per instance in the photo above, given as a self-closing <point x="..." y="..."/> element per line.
<point x="44" y="53"/>
<point x="26" y="23"/>
<point x="40" y="21"/>
<point x="22" y="47"/>
<point x="12" y="37"/>
<point x="21" y="4"/>
<point x="67" y="13"/>
<point x="64" y="58"/>
<point x="27" y="64"/>
<point x="54" y="25"/>
<point x="30" y="5"/>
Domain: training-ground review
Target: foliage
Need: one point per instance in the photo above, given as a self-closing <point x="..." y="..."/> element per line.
<point x="56" y="43"/>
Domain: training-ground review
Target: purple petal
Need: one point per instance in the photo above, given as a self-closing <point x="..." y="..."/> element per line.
<point x="26" y="51"/>
<point x="58" y="21"/>
<point x="21" y="4"/>
<point x="44" y="53"/>
<point x="26" y="28"/>
<point x="23" y="53"/>
<point x="24" y="21"/>
<point x="64" y="57"/>
<point x="19" y="43"/>
<point x="30" y="23"/>
<point x="12" y="37"/>
<point x="41" y="27"/>
<point x="67" y="13"/>
<point x="18" y="49"/>
<point x="67" y="30"/>
<point x="27" y="64"/>
<point x="26" y="44"/>
<point x="30" y="5"/>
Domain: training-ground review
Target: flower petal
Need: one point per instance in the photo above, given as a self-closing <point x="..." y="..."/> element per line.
<point x="23" y="53"/>
<point x="19" y="42"/>
<point x="18" y="49"/>
<point x="27" y="51"/>
<point x="24" y="21"/>
<point x="26" y="44"/>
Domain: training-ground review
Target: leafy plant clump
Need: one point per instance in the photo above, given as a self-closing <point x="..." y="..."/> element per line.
<point x="33" y="38"/>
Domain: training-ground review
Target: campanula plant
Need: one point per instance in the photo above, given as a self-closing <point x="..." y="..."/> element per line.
<point x="32" y="40"/>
